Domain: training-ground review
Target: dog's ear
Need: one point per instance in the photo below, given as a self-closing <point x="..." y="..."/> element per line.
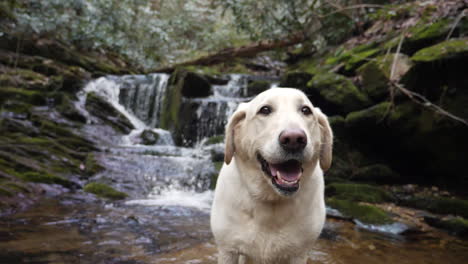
<point x="326" y="145"/>
<point x="230" y="146"/>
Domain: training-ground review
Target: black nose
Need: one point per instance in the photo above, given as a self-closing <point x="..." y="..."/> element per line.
<point x="293" y="139"/>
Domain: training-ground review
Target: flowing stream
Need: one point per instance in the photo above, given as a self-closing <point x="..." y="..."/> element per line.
<point x="166" y="217"/>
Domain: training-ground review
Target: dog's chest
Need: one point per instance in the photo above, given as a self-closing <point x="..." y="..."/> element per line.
<point x="275" y="234"/>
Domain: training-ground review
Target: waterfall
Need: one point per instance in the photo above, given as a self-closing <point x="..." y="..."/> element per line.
<point x="143" y="96"/>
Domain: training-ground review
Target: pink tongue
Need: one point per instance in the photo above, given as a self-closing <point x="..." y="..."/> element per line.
<point x="289" y="171"/>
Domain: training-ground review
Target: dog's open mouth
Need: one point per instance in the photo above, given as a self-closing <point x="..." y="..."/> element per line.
<point x="285" y="176"/>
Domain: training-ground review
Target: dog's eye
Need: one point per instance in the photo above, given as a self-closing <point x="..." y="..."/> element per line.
<point x="306" y="110"/>
<point x="265" y="110"/>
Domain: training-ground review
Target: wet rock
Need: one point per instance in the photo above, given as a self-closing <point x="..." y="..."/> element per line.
<point x="107" y="113"/>
<point x="365" y="213"/>
<point x="67" y="108"/>
<point x="39" y="177"/>
<point x="456" y="225"/>
<point x="21" y="95"/>
<point x="92" y="166"/>
<point x="440" y="205"/>
<point x="335" y="94"/>
<point x="104" y="191"/>
<point x="358" y="192"/>
<point x="149" y="137"/>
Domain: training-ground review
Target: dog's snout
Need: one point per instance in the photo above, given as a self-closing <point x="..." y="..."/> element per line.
<point x="293" y="139"/>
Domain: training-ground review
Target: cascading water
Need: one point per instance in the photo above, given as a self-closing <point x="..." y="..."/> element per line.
<point x="164" y="173"/>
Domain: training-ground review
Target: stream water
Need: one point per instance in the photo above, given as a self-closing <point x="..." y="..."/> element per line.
<point x="166" y="218"/>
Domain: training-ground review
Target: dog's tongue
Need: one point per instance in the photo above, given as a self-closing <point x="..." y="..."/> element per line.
<point x="289" y="171"/>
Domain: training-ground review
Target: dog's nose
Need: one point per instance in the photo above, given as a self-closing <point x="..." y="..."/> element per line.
<point x="293" y="139"/>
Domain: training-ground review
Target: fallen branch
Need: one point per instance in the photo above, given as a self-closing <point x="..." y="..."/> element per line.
<point x="244" y="51"/>
<point x="421" y="100"/>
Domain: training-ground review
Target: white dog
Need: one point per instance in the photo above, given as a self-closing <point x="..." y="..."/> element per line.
<point x="269" y="200"/>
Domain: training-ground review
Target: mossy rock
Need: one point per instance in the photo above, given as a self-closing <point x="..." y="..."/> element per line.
<point x="457" y="226"/>
<point x="256" y="87"/>
<point x="336" y="94"/>
<point x="443" y="51"/>
<point x="376" y="173"/>
<point x="67" y="108"/>
<point x="100" y="108"/>
<point x="39" y="177"/>
<point x="172" y="101"/>
<point x="104" y="191"/>
<point x="423" y="34"/>
<point x="376" y="74"/>
<point x="92" y="166"/>
<point x="21" y="95"/>
<point x="195" y="85"/>
<point x="337" y="124"/>
<point x="355" y="57"/>
<point x="296" y="79"/>
<point x="358" y="193"/>
<point x="149" y="137"/>
<point x="368" y="119"/>
<point x="23" y="78"/>
<point x="367" y="214"/>
<point x="440" y="205"/>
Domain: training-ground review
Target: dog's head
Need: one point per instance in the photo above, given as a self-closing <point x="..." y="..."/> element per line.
<point x="282" y="135"/>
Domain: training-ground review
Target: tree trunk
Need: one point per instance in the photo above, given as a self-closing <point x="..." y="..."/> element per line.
<point x="243" y="51"/>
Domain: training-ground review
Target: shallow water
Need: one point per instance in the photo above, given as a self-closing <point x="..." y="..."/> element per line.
<point x="166" y="220"/>
<point x="80" y="229"/>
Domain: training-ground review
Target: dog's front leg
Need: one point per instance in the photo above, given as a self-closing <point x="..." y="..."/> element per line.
<point x="227" y="257"/>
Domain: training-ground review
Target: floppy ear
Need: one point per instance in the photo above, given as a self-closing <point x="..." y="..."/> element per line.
<point x="230" y="147"/>
<point x="326" y="141"/>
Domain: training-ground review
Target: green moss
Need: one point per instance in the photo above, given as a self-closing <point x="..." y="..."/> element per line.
<point x="338" y="91"/>
<point x="355" y="57"/>
<point x="365" y="213"/>
<point x="92" y="166"/>
<point x="14" y="187"/>
<point x="457" y="226"/>
<point x="445" y="50"/>
<point x="358" y="192"/>
<point x="369" y="117"/>
<point x="105" y="191"/>
<point x="218" y="165"/>
<point x="172" y="101"/>
<point x="215" y="140"/>
<point x="40" y="177"/>
<point x="440" y="205"/>
<point x="22" y="95"/>
<point x="5" y="192"/>
<point x="426" y="32"/>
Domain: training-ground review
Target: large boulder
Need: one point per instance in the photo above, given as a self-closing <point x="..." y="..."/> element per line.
<point x="336" y="94"/>
<point x="103" y="110"/>
<point x="376" y="74"/>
